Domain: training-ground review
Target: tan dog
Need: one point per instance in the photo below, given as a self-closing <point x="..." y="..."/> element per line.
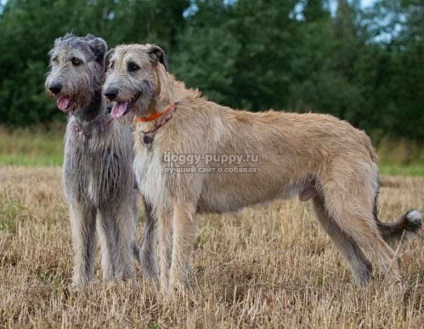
<point x="193" y="155"/>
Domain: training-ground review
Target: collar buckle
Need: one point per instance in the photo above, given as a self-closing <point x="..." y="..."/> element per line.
<point x="148" y="135"/>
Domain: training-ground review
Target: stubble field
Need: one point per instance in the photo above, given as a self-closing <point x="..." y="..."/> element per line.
<point x="268" y="266"/>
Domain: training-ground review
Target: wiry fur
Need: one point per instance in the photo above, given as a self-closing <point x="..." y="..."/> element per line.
<point x="315" y="156"/>
<point x="98" y="180"/>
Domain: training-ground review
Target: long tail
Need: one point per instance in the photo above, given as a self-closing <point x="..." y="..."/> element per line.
<point x="407" y="225"/>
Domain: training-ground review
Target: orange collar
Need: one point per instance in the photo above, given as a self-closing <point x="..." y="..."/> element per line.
<point x="156" y="115"/>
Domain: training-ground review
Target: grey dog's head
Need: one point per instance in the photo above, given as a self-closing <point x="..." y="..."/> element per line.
<point x="76" y="70"/>
<point x="134" y="76"/>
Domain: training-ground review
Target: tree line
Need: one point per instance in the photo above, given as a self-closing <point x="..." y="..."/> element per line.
<point x="361" y="64"/>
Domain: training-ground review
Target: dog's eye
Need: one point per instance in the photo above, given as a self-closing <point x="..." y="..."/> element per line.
<point x="76" y="61"/>
<point x="55" y="59"/>
<point x="132" y="67"/>
<point x="111" y="65"/>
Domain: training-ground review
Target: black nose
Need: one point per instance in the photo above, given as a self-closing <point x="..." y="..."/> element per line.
<point x="55" y="87"/>
<point x="111" y="93"/>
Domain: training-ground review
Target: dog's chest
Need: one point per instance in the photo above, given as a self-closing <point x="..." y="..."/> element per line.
<point x="94" y="170"/>
<point x="151" y="179"/>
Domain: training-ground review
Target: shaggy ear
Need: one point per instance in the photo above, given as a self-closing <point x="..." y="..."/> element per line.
<point x="98" y="46"/>
<point x="157" y="54"/>
<point x="108" y="56"/>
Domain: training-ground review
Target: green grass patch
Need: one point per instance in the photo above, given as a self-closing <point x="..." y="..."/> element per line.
<point x="401" y="158"/>
<point x="401" y="170"/>
<point x="32" y="147"/>
<point x="31" y="160"/>
<point x="41" y="147"/>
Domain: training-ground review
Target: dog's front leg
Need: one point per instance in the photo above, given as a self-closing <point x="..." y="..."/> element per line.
<point x="148" y="253"/>
<point x="83" y="225"/>
<point x="108" y="238"/>
<point x="117" y="229"/>
<point x="185" y="230"/>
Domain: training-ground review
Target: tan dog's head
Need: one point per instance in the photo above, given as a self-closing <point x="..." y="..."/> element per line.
<point x="133" y="78"/>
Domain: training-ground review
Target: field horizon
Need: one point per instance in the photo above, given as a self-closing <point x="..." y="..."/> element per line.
<point x="42" y="146"/>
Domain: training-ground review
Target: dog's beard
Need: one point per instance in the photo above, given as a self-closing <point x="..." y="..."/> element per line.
<point x="138" y="104"/>
<point x="74" y="98"/>
<point x="143" y="107"/>
<point x="80" y="102"/>
<point x="126" y="120"/>
<point x="64" y="102"/>
<point x="145" y="101"/>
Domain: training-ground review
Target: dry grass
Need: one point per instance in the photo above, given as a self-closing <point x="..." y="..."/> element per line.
<point x="264" y="267"/>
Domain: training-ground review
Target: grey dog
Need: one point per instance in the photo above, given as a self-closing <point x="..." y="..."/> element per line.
<point x="98" y="180"/>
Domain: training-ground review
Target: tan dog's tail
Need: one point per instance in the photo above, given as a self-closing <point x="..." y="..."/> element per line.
<point x="409" y="224"/>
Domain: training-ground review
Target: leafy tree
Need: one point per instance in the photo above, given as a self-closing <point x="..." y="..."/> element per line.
<point x="28" y="29"/>
<point x="363" y="65"/>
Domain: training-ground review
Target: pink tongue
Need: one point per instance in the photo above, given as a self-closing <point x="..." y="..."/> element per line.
<point x="119" y="109"/>
<point x="63" y="103"/>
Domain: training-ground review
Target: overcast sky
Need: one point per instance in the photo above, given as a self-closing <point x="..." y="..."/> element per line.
<point x="367" y="2"/>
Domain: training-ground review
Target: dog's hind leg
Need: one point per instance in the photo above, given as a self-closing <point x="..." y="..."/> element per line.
<point x="359" y="264"/>
<point x="83" y="225"/>
<point x="348" y="199"/>
<point x="127" y="228"/>
<point x="148" y="250"/>
<point x="164" y="218"/>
